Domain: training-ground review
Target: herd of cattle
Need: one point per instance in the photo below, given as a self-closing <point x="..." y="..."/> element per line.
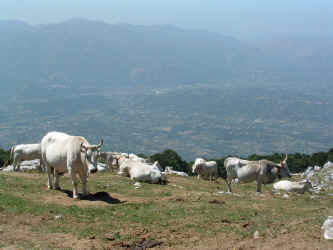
<point x="60" y="153"/>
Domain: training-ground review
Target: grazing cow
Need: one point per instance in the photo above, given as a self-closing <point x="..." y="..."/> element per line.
<point x="289" y="186"/>
<point x="263" y="171"/>
<point x="108" y="157"/>
<point x="24" y="152"/>
<point x="205" y="169"/>
<point x="140" y="171"/>
<point x="62" y="152"/>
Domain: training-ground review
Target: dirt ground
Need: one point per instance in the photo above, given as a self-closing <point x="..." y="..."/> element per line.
<point x="18" y="231"/>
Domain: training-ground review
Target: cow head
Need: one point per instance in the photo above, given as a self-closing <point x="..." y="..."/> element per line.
<point x="91" y="154"/>
<point x="196" y="165"/>
<point x="283" y="170"/>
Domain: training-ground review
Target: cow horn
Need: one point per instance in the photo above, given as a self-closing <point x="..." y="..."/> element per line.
<point x="285" y="160"/>
<point x="100" y="145"/>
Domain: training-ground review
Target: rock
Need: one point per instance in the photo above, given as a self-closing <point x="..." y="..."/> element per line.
<point x="101" y="167"/>
<point x="328" y="228"/>
<point x="316" y="168"/>
<point x="137" y="185"/>
<point x="256" y="235"/>
<point x="109" y="237"/>
<point x="58" y="217"/>
<point x="328" y="165"/>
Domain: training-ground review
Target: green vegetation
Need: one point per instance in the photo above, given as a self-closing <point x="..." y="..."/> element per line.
<point x="170" y="158"/>
<point x="297" y="162"/>
<point x="4" y="157"/>
<point x="181" y="214"/>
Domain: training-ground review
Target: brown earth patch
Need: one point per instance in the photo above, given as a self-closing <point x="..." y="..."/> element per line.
<point x="17" y="232"/>
<point x="296" y="240"/>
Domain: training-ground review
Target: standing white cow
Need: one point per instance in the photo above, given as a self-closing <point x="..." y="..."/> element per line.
<point x="62" y="152"/>
<point x="24" y="152"/>
<point x="205" y="169"/>
<point x="263" y="171"/>
<point x="109" y="158"/>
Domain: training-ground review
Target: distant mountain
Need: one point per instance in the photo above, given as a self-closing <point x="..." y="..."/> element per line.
<point x="148" y="88"/>
<point x="79" y="52"/>
<point x="305" y="58"/>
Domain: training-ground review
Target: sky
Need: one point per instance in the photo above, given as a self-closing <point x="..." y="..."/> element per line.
<point x="243" y="19"/>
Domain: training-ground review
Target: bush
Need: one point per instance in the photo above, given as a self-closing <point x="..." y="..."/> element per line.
<point x="170" y="158"/>
<point x="4" y="157"/>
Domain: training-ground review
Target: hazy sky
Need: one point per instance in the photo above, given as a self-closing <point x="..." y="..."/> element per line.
<point x="239" y="18"/>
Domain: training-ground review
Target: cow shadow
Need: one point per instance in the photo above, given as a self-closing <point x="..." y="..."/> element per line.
<point x="99" y="196"/>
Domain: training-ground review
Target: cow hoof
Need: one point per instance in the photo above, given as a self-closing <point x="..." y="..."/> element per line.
<point x="76" y="197"/>
<point x="57" y="188"/>
<point x="49" y="187"/>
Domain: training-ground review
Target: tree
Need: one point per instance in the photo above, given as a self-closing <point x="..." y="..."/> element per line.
<point x="170" y="158"/>
<point x="4" y="157"/>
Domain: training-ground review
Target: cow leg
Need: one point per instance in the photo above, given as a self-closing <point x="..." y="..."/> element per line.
<point x="259" y="184"/>
<point x="110" y="166"/>
<point x="74" y="182"/>
<point x="56" y="180"/>
<point x="228" y="180"/>
<point x="83" y="178"/>
<point x="49" y="182"/>
<point x="16" y="164"/>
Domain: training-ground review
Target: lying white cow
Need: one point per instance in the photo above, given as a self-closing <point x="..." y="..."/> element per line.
<point x="140" y="171"/>
<point x="169" y="170"/>
<point x="289" y="186"/>
<point x="24" y="152"/>
<point x="134" y="157"/>
<point x="205" y="169"/>
<point x="62" y="152"/>
<point x="263" y="171"/>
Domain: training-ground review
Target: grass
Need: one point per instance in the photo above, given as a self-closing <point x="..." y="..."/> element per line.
<point x="180" y="214"/>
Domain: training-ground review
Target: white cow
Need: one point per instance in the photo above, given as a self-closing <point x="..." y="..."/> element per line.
<point x="24" y="152"/>
<point x="62" y="152"/>
<point x="111" y="159"/>
<point x="289" y="186"/>
<point x="140" y="171"/>
<point x="205" y="169"/>
<point x="263" y="171"/>
<point x="134" y="157"/>
<point x="169" y="170"/>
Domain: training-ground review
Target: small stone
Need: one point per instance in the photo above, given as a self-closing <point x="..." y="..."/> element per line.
<point x="256" y="235"/>
<point x="58" y="217"/>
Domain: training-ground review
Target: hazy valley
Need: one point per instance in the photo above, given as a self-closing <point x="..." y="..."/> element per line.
<point x="145" y="89"/>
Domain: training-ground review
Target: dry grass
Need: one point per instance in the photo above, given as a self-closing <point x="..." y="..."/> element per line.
<point x="185" y="214"/>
